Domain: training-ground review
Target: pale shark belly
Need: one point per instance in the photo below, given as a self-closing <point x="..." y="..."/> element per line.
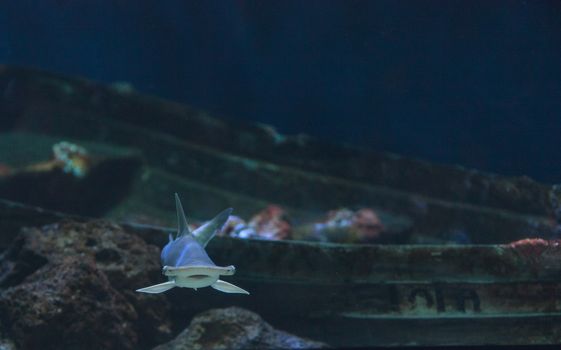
<point x="194" y="281"/>
<point x="196" y="276"/>
<point x="189" y="270"/>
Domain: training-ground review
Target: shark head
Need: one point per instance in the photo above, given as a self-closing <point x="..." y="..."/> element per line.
<point x="185" y="261"/>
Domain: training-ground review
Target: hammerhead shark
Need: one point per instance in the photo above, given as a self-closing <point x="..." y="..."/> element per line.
<point x="185" y="261"/>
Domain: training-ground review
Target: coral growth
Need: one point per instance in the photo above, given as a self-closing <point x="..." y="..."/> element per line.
<point x="272" y="223"/>
<point x="340" y="225"/>
<point x="73" y="158"/>
<point x="68" y="157"/>
<point x="347" y="226"/>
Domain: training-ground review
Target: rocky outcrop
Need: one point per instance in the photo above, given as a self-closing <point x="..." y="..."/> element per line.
<point x="235" y="328"/>
<point x="68" y="304"/>
<point x="71" y="285"/>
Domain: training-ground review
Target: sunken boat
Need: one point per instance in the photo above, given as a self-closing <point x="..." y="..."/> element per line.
<point x="499" y="283"/>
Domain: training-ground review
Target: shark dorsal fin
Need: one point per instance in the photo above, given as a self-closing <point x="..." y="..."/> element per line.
<point x="204" y="233"/>
<point x="182" y="227"/>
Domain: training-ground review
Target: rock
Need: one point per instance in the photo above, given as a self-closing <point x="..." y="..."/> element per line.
<point x="74" y="283"/>
<point x="66" y="305"/>
<point x="235" y="328"/>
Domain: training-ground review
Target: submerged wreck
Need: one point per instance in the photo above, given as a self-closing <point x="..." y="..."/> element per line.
<point x="498" y="284"/>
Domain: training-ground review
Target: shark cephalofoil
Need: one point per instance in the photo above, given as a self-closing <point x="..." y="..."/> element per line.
<point x="185" y="261"/>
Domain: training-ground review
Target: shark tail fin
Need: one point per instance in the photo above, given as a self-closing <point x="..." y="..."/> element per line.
<point x="204" y="233"/>
<point x="227" y="287"/>
<point x="157" y="288"/>
<point x="182" y="227"/>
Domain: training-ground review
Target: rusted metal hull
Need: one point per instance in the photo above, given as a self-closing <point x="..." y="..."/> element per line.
<point x="373" y="295"/>
<point x="187" y="150"/>
<point x="488" y="292"/>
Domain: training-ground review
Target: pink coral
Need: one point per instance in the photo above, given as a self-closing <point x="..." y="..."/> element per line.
<point x="272" y="223"/>
<point x="347" y="226"/>
<point x="367" y="224"/>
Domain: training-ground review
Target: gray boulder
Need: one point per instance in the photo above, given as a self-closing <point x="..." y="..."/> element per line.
<point x="235" y="328"/>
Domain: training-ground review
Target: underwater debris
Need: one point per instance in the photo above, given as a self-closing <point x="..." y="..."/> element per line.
<point x="185" y="262"/>
<point x="448" y="196"/>
<point x="240" y="329"/>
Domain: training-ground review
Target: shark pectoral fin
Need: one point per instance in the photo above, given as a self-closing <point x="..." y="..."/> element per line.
<point x="227" y="287"/>
<point x="158" y="288"/>
<point x="204" y="233"/>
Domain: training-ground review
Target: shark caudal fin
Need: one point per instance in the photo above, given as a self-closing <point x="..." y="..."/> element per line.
<point x="182" y="227"/>
<point x="227" y="287"/>
<point x="157" y="288"/>
<point x="204" y="233"/>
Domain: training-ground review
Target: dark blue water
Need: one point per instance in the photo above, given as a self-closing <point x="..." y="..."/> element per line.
<point x="471" y="82"/>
